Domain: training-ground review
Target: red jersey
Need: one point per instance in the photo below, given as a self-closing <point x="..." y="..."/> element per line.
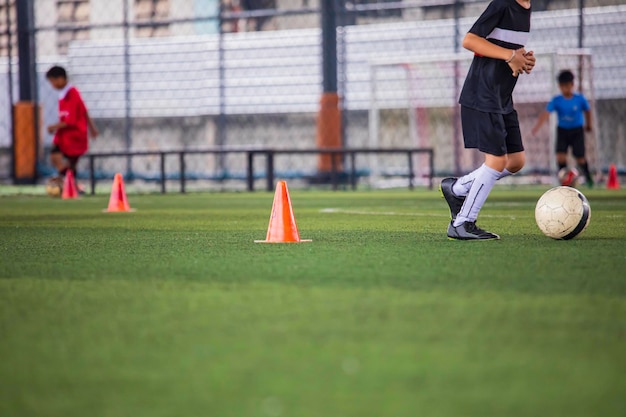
<point x="72" y="140"/>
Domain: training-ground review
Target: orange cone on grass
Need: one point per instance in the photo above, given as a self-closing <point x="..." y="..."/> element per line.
<point x="69" y="186"/>
<point x="612" y="183"/>
<point x="118" y="200"/>
<point x="282" y="227"/>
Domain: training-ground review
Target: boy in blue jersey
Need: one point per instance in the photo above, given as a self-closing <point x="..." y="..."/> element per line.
<point x="574" y="118"/>
<point x="488" y="118"/>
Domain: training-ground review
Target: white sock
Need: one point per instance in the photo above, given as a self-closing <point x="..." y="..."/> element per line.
<point x="505" y="173"/>
<point x="484" y="180"/>
<point x="463" y="184"/>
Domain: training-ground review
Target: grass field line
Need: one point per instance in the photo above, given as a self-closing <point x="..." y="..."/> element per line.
<point x="418" y="214"/>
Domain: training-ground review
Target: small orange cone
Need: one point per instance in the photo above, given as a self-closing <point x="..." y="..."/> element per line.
<point x="118" y="200"/>
<point x="612" y="183"/>
<point x="69" y="186"/>
<point x="282" y="227"/>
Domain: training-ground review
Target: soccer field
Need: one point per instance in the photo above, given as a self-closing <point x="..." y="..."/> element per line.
<point x="172" y="310"/>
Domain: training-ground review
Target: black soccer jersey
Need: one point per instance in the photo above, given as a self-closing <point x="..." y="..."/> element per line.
<point x="489" y="83"/>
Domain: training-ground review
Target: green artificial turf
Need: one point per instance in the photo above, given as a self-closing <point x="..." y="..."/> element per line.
<point x="172" y="310"/>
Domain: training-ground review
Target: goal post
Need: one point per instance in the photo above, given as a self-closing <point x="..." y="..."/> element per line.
<point x="420" y="90"/>
<point x="419" y="95"/>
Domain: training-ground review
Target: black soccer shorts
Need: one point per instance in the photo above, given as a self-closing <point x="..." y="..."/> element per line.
<point x="493" y="133"/>
<point x="571" y="137"/>
<point x="73" y="160"/>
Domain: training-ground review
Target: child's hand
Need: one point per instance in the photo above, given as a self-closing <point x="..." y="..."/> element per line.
<point x="53" y="128"/>
<point x="530" y="56"/>
<point x="522" y="62"/>
<point x="93" y="132"/>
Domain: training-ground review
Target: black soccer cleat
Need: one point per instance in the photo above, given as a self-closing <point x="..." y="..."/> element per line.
<point x="469" y="231"/>
<point x="454" y="201"/>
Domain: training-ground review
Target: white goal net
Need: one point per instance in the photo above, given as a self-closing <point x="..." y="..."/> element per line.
<point x="413" y="103"/>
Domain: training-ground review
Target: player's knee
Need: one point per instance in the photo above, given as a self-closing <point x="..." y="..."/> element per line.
<point x="497" y="162"/>
<point x="515" y="162"/>
<point x="516" y="165"/>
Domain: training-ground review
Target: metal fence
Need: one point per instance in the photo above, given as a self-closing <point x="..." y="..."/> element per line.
<point x="160" y="75"/>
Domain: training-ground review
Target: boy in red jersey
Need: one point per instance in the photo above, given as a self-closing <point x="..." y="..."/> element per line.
<point x="70" y="132"/>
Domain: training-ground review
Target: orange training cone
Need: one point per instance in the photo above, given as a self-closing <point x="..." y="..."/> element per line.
<point x="612" y="183"/>
<point x="118" y="200"/>
<point x="282" y="227"/>
<point x="69" y="186"/>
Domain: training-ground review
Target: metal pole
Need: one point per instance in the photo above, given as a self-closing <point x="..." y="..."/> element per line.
<point x="333" y="170"/>
<point x="353" y="170"/>
<point x="270" y="170"/>
<point x="431" y="168"/>
<point x="25" y="46"/>
<point x="329" y="46"/>
<point x="128" y="126"/>
<point x="581" y="41"/>
<point x="457" y="111"/>
<point x="181" y="157"/>
<point x="411" y="172"/>
<point x="221" y="118"/>
<point x="581" y="23"/>
<point x="162" y="172"/>
<point x="35" y="80"/>
<point x="27" y="81"/>
<point x="329" y="131"/>
<point x="9" y="34"/>
<point x="341" y="62"/>
<point x="92" y="176"/>
<point x="250" y="171"/>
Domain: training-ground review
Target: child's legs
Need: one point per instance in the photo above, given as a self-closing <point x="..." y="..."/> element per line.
<point x="485" y="178"/>
<point x="497" y="162"/>
<point x="561" y="159"/>
<point x="512" y="162"/>
<point x="487" y="132"/>
<point x="511" y="157"/>
<point x="514" y="157"/>
<point x="577" y="142"/>
<point x="578" y="149"/>
<point x="58" y="160"/>
<point x="562" y="145"/>
<point x="72" y="162"/>
<point x="499" y="138"/>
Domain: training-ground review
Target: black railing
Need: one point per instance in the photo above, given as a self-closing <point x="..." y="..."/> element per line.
<point x="334" y="177"/>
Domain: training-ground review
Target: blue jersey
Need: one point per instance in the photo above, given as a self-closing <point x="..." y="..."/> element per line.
<point x="569" y="110"/>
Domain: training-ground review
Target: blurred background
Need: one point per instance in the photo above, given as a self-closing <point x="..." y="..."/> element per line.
<point x="166" y="76"/>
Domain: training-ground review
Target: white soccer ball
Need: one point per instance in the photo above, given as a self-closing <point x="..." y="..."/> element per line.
<point x="562" y="213"/>
<point x="54" y="188"/>
<point x="568" y="177"/>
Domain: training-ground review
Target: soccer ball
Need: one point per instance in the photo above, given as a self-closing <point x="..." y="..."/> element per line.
<point x="562" y="213"/>
<point x="568" y="177"/>
<point x="54" y="188"/>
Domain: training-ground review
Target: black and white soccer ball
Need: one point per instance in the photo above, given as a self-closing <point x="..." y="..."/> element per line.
<point x="562" y="213"/>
